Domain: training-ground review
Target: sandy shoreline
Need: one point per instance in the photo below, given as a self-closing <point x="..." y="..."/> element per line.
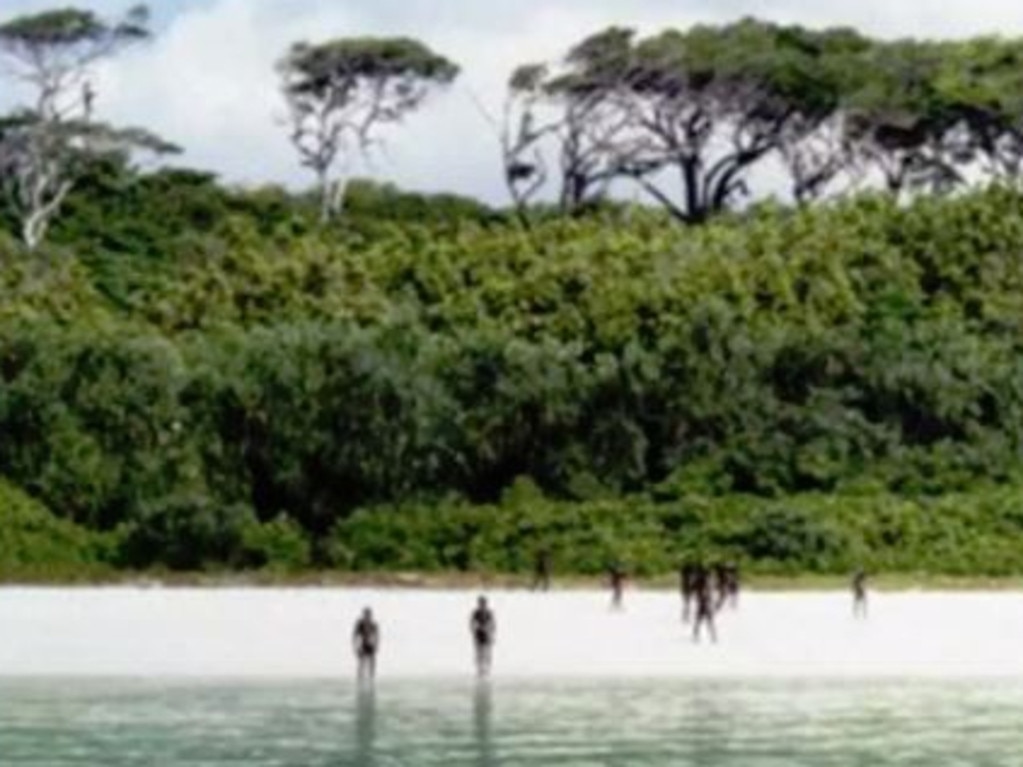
<point x="447" y="581"/>
<point x="305" y="633"/>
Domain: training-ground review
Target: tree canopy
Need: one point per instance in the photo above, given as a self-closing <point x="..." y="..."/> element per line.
<point x="710" y="107"/>
<point x="340" y="92"/>
<point x="43" y="145"/>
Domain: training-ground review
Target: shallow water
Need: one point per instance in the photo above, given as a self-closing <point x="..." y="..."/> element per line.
<point x="635" y="723"/>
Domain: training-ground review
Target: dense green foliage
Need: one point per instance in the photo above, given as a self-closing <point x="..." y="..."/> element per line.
<point x="221" y="383"/>
<point x="975" y="534"/>
<point x="35" y="544"/>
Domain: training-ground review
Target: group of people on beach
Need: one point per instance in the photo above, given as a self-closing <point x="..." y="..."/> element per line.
<point x="705" y="590"/>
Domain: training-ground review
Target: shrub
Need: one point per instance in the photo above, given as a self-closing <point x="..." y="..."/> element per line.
<point x="36" y="545"/>
<point x="278" y="545"/>
<point x="187" y="532"/>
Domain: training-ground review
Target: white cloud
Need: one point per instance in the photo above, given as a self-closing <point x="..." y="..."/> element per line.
<point x="207" y="81"/>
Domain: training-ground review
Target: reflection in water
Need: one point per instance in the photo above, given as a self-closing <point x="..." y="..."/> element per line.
<point x="365" y="725"/>
<point x="425" y="723"/>
<point x="482" y="717"/>
<point x="712" y="724"/>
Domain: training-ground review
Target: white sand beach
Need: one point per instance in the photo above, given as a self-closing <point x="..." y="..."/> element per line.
<point x="304" y="633"/>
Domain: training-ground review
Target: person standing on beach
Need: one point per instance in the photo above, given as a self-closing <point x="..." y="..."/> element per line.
<point x="730" y="590"/>
<point x="703" y="592"/>
<point x="542" y="570"/>
<point x="687" y="586"/>
<point x="616" y="577"/>
<point x="719" y="582"/>
<point x="483" y="627"/>
<point x="859" y="588"/>
<point x="366" y="642"/>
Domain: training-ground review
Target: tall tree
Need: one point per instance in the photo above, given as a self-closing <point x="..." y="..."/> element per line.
<point x="813" y="145"/>
<point x="339" y="93"/>
<point x="43" y="145"/>
<point x="712" y="104"/>
<point x="981" y="80"/>
<point x="902" y="123"/>
<point x="524" y="135"/>
<point x="564" y="122"/>
<point x="706" y="106"/>
<point x="593" y="131"/>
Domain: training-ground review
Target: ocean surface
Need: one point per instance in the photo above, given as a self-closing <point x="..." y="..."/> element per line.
<point x="265" y="677"/>
<point x="629" y="723"/>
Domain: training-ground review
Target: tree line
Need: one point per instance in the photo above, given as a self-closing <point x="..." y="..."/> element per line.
<point x="698" y="120"/>
<point x="206" y="369"/>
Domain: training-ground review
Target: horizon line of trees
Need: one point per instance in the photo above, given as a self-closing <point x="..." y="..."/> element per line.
<point x="691" y="118"/>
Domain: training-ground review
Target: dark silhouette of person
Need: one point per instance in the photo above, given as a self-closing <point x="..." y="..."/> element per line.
<point x="859" y="589"/>
<point x="483" y="627"/>
<point x="687" y="586"/>
<point x="728" y="585"/>
<point x="542" y="570"/>
<point x="703" y="594"/>
<point x="719" y="580"/>
<point x="616" y="576"/>
<point x="366" y="642"/>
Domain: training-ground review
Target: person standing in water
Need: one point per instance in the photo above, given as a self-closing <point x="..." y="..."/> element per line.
<point x="542" y="570"/>
<point x="366" y="642"/>
<point x="703" y="593"/>
<point x="483" y="627"/>
<point x="859" y="588"/>
<point x="616" y="577"/>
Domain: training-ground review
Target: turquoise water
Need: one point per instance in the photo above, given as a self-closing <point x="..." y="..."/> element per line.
<point x="406" y="724"/>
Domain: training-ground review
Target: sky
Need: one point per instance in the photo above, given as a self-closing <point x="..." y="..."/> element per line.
<point x="206" y="81"/>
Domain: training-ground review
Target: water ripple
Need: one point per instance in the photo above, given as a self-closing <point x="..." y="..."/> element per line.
<point x="712" y="724"/>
